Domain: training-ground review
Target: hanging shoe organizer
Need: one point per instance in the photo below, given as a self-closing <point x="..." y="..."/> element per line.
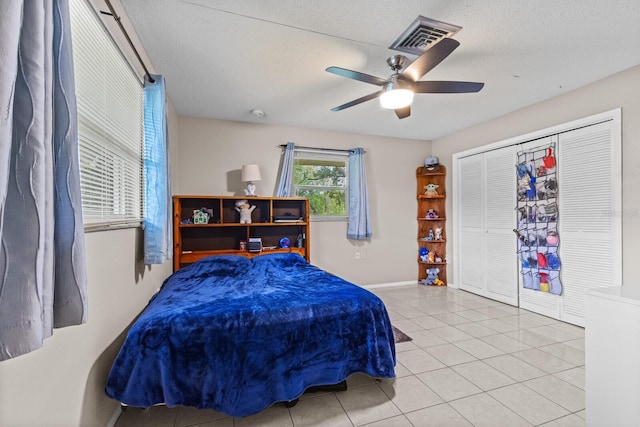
<point x="537" y="230"/>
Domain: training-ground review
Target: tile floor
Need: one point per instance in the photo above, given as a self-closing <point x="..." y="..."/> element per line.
<point x="472" y="362"/>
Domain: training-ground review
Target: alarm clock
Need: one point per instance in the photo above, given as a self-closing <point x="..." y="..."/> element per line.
<point x="285" y="242"/>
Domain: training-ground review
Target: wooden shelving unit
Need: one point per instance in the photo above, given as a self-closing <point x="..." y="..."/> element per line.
<point x="223" y="233"/>
<point x="432" y="203"/>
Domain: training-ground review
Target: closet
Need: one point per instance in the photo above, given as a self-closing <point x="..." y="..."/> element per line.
<point x="485" y="202"/>
<point x="589" y="224"/>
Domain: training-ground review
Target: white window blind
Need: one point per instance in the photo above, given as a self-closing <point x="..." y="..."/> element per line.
<point x="110" y="123"/>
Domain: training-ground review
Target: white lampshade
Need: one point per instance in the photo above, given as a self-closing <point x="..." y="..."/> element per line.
<point x="396" y="98"/>
<point x="250" y="173"/>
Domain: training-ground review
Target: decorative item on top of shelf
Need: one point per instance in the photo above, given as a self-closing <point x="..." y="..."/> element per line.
<point x="245" y="210"/>
<point x="202" y="215"/>
<point x="251" y="173"/>
<point x="432" y="214"/>
<point x="431" y="163"/>
<point x="431" y="189"/>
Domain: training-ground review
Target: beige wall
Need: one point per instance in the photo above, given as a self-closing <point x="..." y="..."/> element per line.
<point x="213" y="151"/>
<point x="62" y="384"/>
<point x="618" y="91"/>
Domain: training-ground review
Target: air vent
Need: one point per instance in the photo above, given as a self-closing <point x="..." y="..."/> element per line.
<point x="422" y="34"/>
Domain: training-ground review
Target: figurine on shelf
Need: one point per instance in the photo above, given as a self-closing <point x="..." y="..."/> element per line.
<point x="245" y="210"/>
<point x="431" y="235"/>
<point x="201" y="216"/>
<point x="431" y="214"/>
<point x="423" y="252"/>
<point x="431" y="189"/>
<point x="431" y="256"/>
<point x="438" y="233"/>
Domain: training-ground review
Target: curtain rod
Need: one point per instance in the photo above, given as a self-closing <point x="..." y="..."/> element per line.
<point x="112" y="12"/>
<point x="317" y="148"/>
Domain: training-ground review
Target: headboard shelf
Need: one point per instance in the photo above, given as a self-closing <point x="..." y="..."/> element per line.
<point x="210" y="225"/>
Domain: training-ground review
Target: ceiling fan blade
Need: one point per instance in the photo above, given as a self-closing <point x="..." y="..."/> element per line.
<point x="428" y="60"/>
<point x="403" y="112"/>
<point x="357" y="101"/>
<point x="355" y="75"/>
<point x="446" y="87"/>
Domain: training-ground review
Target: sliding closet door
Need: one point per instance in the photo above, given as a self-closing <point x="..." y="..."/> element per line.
<point x="485" y="207"/>
<point x="469" y="198"/>
<point x="500" y="220"/>
<point x="589" y="220"/>
<point x="590" y="225"/>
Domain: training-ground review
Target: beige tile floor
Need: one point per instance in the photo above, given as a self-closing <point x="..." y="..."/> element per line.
<point x="472" y="362"/>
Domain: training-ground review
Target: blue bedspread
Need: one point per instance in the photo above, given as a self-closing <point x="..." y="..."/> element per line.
<point x="236" y="335"/>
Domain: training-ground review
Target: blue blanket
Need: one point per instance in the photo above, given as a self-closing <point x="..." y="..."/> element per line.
<point x="236" y="335"/>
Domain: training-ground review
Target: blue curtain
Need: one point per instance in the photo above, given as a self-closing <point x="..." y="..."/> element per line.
<point x="43" y="280"/>
<point x="157" y="195"/>
<point x="285" y="179"/>
<point x="359" y="226"/>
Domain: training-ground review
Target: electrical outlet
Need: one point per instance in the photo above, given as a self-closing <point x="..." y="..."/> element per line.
<point x="357" y="255"/>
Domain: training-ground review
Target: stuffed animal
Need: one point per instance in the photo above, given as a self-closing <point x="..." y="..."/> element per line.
<point x="438" y="282"/>
<point x="431" y="214"/>
<point x="431" y="256"/>
<point x="438" y="235"/>
<point x="423" y="252"/>
<point x="245" y="210"/>
<point x="431" y="189"/>
<point x="432" y="276"/>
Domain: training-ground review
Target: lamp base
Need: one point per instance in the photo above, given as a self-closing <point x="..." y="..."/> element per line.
<point x="251" y="190"/>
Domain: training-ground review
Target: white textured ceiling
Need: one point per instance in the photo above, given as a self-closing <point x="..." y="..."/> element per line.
<point x="223" y="58"/>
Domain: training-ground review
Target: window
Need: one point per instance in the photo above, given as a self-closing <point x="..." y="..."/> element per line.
<point x="322" y="177"/>
<point x="110" y="124"/>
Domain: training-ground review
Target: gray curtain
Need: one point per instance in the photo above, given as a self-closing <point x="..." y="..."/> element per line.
<point x="42" y="260"/>
<point x="359" y="226"/>
<point x="285" y="179"/>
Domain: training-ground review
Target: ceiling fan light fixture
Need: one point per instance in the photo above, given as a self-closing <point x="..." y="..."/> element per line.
<point x="396" y="98"/>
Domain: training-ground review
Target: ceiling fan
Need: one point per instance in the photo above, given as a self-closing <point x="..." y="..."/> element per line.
<point x="398" y="90"/>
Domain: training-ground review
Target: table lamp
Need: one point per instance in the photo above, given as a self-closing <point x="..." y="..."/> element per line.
<point x="250" y="173"/>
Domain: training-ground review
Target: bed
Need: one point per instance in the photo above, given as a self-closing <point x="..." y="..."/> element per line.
<point x="237" y="335"/>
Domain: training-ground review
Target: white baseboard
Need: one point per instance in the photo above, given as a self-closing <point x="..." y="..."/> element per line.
<point x="397" y="284"/>
<point x="390" y="285"/>
<point x="114" y="418"/>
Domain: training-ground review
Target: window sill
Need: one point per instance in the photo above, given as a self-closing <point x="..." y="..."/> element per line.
<point x="115" y="225"/>
<point x="329" y="219"/>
